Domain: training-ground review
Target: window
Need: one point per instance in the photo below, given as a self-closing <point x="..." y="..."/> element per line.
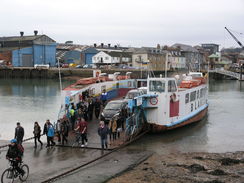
<point x="187" y="98"/>
<point x="193" y="96"/>
<point x="106" y="58"/>
<point x="172" y="86"/>
<point x="129" y="83"/>
<point x="203" y="92"/>
<point x="156" y="86"/>
<point x="197" y="94"/>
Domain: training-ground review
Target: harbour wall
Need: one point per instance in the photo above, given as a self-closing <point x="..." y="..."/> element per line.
<point x="52" y="73"/>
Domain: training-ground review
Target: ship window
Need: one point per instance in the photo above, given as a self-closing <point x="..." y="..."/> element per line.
<point x="172" y="86"/>
<point x="193" y="96"/>
<point x="156" y="86"/>
<point x="187" y="98"/>
<point x="197" y="93"/>
<point x="203" y="92"/>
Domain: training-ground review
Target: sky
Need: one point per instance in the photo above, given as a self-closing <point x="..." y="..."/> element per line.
<point x="133" y="23"/>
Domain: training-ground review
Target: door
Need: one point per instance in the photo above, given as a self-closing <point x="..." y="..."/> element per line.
<point x="27" y="60"/>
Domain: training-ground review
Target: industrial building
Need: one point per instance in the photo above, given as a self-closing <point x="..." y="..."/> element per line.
<point x="27" y="51"/>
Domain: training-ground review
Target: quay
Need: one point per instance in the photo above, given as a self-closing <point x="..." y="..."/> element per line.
<point x="59" y="159"/>
<point x="53" y="72"/>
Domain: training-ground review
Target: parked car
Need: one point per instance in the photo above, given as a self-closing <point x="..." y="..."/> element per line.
<point x="78" y="66"/>
<point x="112" y="108"/>
<point x="65" y="65"/>
<point x="87" y="66"/>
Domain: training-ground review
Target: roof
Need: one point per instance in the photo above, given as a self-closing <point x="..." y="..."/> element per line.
<point x="119" y="54"/>
<point x="77" y="47"/>
<point x="90" y="50"/>
<point x="213" y="56"/>
<point x="22" y="38"/>
<point x="185" y="48"/>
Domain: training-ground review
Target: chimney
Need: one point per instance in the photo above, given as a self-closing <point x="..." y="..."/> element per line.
<point x="95" y="45"/>
<point x="21" y="33"/>
<point x="109" y="45"/>
<point x="158" y="46"/>
<point x="35" y="32"/>
<point x="102" y="45"/>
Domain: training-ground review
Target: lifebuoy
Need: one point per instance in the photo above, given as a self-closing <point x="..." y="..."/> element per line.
<point x="153" y="101"/>
<point x="173" y="97"/>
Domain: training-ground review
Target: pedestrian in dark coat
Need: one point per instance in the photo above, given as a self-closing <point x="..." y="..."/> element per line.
<point x="64" y="132"/>
<point x="103" y="133"/>
<point x="37" y="133"/>
<point x="19" y="133"/>
<point x="97" y="106"/>
<point x="90" y="108"/>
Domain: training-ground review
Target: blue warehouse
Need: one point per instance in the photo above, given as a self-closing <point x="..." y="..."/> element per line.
<point x="26" y="51"/>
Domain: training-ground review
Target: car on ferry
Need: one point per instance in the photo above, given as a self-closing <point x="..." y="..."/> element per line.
<point x="112" y="108"/>
<point x="133" y="93"/>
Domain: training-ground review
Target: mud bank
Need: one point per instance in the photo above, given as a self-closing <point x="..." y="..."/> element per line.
<point x="187" y="167"/>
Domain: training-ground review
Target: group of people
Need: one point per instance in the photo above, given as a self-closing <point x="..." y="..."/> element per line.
<point x="85" y="108"/>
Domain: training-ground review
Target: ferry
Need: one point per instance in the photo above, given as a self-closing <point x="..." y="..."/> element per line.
<point x="169" y="103"/>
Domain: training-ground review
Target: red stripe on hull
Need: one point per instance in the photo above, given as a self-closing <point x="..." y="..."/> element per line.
<point x="197" y="117"/>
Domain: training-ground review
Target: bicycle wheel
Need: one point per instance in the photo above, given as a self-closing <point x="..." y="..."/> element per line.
<point x="8" y="176"/>
<point x="26" y="170"/>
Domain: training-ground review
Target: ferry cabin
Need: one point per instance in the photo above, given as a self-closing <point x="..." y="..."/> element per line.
<point x="174" y="107"/>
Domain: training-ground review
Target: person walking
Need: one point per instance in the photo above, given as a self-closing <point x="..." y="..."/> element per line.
<point x="19" y="133"/>
<point x="72" y="118"/>
<point x="90" y="108"/>
<point x="45" y="127"/>
<point x="64" y="132"/>
<point x="103" y="133"/>
<point x="104" y="97"/>
<point x="114" y="127"/>
<point x="37" y="134"/>
<point x="97" y="106"/>
<point x="82" y="127"/>
<point x="50" y="134"/>
<point x="58" y="130"/>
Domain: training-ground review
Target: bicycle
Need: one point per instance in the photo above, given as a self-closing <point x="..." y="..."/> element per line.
<point x="11" y="174"/>
<point x="77" y="139"/>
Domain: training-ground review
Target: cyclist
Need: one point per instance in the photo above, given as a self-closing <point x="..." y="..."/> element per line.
<point x="15" y="153"/>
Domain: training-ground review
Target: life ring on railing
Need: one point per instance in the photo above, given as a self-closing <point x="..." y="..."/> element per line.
<point x="173" y="97"/>
<point x="153" y="101"/>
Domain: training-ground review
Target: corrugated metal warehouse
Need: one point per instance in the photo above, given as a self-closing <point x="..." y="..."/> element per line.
<point x="26" y="51"/>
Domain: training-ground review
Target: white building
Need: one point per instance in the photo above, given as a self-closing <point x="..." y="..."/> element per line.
<point x="111" y="58"/>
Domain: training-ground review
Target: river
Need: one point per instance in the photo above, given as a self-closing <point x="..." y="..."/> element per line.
<point x="221" y="131"/>
<point x="27" y="101"/>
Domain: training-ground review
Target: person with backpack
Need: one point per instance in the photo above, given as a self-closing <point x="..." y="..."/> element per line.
<point x="37" y="134"/>
<point x="19" y="133"/>
<point x="50" y="134"/>
<point x="15" y="152"/>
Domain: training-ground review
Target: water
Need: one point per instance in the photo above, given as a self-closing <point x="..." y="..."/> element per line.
<point x="221" y="131"/>
<point x="27" y="101"/>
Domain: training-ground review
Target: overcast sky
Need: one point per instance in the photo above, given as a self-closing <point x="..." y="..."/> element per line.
<point x="126" y="22"/>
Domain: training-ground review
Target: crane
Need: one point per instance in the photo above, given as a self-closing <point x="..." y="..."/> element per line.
<point x="235" y="38"/>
